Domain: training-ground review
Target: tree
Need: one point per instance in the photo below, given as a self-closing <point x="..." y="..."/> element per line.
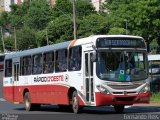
<point x="116" y="30"/>
<point x="4" y="19"/>
<point x="41" y="37"/>
<point x="62" y="7"/>
<point x="9" y="43"/>
<point x="26" y="38"/>
<point x="38" y="14"/>
<point x="17" y="14"/>
<point x="60" y="29"/>
<point x="142" y="17"/>
<point x="84" y="8"/>
<point x="93" y="24"/>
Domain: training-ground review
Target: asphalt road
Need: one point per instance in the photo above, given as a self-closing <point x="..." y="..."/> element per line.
<point x="9" y="111"/>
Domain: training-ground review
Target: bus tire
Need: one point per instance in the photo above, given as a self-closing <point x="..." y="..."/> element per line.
<point x="75" y="103"/>
<point x="119" y="108"/>
<point x="27" y="102"/>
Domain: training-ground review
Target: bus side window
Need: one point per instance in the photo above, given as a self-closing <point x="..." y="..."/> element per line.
<point x="8" y="68"/>
<point x="61" y="61"/>
<point x="48" y="62"/>
<point x="37" y="64"/>
<point x="75" y="58"/>
<point x="26" y="65"/>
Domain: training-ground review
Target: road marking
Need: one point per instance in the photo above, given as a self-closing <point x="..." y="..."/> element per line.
<point x="2" y="99"/>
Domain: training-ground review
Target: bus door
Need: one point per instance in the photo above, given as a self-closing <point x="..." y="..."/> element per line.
<point x="15" y="82"/>
<point x="89" y="81"/>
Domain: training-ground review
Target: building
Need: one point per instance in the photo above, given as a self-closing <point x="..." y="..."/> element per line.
<point x="1" y="6"/>
<point x="7" y="4"/>
<point x="52" y="2"/>
<point x="97" y="4"/>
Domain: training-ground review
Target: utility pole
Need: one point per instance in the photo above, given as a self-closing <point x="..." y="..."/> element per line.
<point x="47" y="36"/>
<point x="126" y="26"/>
<point x="2" y="39"/>
<point x="15" y="39"/>
<point x="74" y="20"/>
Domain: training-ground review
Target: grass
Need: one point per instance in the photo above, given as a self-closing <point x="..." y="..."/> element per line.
<point x="155" y="97"/>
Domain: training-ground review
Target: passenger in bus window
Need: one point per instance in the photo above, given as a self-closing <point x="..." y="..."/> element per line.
<point x="9" y="72"/>
<point x="125" y="64"/>
<point x="37" y="64"/>
<point x="61" y="61"/>
<point x="50" y="67"/>
<point x="75" y="59"/>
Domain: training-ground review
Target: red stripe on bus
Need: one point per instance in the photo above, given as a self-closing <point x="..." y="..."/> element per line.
<point x="40" y="94"/>
<point x="103" y="99"/>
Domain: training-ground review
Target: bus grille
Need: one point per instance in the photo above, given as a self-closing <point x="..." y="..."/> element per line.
<point x="124" y="87"/>
<point x="129" y="92"/>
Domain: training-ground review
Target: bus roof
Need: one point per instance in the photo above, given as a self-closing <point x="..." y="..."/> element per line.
<point x="38" y="50"/>
<point x="61" y="45"/>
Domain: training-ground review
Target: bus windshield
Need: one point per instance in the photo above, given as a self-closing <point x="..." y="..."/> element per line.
<point x="121" y="66"/>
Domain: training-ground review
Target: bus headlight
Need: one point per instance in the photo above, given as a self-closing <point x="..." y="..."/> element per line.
<point x="102" y="89"/>
<point x="145" y="89"/>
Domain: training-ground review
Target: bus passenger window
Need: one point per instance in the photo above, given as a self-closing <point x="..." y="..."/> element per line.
<point x="61" y="60"/>
<point x="37" y="64"/>
<point x="26" y="65"/>
<point x="75" y="58"/>
<point x="48" y="62"/>
<point x="8" y="68"/>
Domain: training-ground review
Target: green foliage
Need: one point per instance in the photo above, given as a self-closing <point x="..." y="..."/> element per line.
<point x="38" y="14"/>
<point x="93" y="24"/>
<point x="84" y="8"/>
<point x="62" y="7"/>
<point x="37" y="20"/>
<point x="142" y="17"/>
<point x="17" y="14"/>
<point x="155" y="98"/>
<point x="4" y="19"/>
<point x="26" y="39"/>
<point x="41" y="37"/>
<point x="116" y="30"/>
<point x="9" y="43"/>
<point x="60" y="29"/>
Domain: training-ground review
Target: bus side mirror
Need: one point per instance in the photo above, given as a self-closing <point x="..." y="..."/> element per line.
<point x="94" y="56"/>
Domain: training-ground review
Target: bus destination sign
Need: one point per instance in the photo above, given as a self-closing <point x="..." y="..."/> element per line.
<point x="120" y="42"/>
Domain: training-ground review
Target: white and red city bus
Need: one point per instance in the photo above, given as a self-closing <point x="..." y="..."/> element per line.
<point x="98" y="70"/>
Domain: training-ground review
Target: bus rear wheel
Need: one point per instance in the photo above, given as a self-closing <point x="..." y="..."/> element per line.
<point x="75" y="102"/>
<point x="27" y="101"/>
<point x="28" y="105"/>
<point x="119" y="108"/>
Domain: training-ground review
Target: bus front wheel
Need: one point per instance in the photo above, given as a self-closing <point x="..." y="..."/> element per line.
<point x="119" y="108"/>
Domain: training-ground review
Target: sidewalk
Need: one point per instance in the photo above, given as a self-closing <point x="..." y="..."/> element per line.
<point x="150" y="104"/>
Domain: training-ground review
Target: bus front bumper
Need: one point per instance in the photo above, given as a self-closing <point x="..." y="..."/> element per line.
<point x="129" y="99"/>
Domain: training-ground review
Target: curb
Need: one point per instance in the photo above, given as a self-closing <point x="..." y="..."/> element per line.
<point x="150" y="104"/>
